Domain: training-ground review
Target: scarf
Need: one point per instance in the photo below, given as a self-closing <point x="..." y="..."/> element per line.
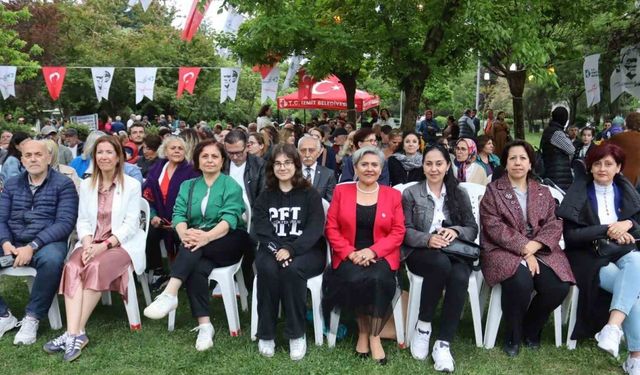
<point x="409" y="162"/>
<point x="462" y="166"/>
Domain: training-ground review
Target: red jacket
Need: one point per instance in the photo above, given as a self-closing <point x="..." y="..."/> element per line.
<point x="503" y="235"/>
<point x="388" y="227"/>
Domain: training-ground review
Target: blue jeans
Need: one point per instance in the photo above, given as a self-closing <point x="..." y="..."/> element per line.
<point x="48" y="262"/>
<point x="622" y="279"/>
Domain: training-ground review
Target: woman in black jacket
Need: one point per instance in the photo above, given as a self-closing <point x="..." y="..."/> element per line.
<point x="406" y="164"/>
<point x="288" y="221"/>
<point x="605" y="206"/>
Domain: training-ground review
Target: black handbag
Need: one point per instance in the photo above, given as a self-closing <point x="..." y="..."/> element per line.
<point x="607" y="248"/>
<point x="463" y="248"/>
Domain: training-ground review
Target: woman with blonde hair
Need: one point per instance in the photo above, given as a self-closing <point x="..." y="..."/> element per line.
<point x="66" y="170"/>
<point x="287" y="136"/>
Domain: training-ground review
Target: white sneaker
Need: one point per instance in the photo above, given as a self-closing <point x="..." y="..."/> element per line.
<point x="163" y="305"/>
<point x="443" y="361"/>
<point x="631" y="366"/>
<point x="420" y="341"/>
<point x="267" y="348"/>
<point x="28" y="331"/>
<point x="7" y="323"/>
<point x="298" y="348"/>
<point x="205" y="336"/>
<point x="609" y="339"/>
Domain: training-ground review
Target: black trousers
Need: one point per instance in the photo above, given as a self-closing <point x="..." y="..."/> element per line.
<point x="194" y="267"/>
<point x="287" y="285"/>
<point x="441" y="272"/>
<point x="153" y="252"/>
<point x="525" y="317"/>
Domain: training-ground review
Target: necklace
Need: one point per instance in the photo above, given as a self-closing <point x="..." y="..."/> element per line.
<point x="604" y="197"/>
<point x="368" y="192"/>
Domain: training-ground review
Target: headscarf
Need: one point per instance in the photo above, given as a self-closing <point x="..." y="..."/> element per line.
<point x="462" y="166"/>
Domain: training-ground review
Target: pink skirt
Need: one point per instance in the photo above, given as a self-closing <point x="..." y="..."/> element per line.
<point x="108" y="271"/>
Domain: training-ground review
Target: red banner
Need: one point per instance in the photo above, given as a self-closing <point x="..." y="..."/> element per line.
<point x="263" y="69"/>
<point x="305" y="84"/>
<point x="187" y="80"/>
<point x="193" y="20"/>
<point x="54" y="78"/>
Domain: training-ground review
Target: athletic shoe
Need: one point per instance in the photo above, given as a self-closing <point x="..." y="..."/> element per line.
<point x="631" y="366"/>
<point x="73" y="347"/>
<point x="298" y="348"/>
<point x="161" y="306"/>
<point x="420" y="342"/>
<point x="205" y="336"/>
<point x="443" y="361"/>
<point x="7" y="323"/>
<point x="609" y="339"/>
<point x="28" y="331"/>
<point x="267" y="348"/>
<point x="59" y="344"/>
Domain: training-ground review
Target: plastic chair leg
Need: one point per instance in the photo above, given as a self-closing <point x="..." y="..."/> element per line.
<point x="144" y="282"/>
<point x="230" y="304"/>
<point x="493" y="317"/>
<point x="398" y="318"/>
<point x="55" y="320"/>
<point x="254" y="310"/>
<point x="171" y="321"/>
<point x="244" y="293"/>
<point x="413" y="307"/>
<point x="573" y="312"/>
<point x="333" y="328"/>
<point x="133" y="310"/>
<point x="557" y="325"/>
<point x="315" y="287"/>
<point x="474" y="301"/>
<point x="106" y="298"/>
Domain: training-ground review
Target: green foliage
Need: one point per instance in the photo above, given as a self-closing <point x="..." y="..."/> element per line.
<point x="14" y="128"/>
<point x="83" y="130"/>
<point x="13" y="49"/>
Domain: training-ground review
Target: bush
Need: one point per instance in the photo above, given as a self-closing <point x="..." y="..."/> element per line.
<point x="14" y="128"/>
<point x="442" y="121"/>
<point x="83" y="130"/>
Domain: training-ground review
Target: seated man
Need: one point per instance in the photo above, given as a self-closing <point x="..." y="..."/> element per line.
<point x="39" y="212"/>
<point x="321" y="178"/>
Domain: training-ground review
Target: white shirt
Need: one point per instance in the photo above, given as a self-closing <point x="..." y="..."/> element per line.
<point x="74" y="150"/>
<point x="312" y="171"/>
<point x="606" y="204"/>
<point x="237" y="173"/>
<point x="438" y="211"/>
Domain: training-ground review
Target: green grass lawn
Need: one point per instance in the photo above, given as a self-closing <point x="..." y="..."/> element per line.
<point x="113" y="349"/>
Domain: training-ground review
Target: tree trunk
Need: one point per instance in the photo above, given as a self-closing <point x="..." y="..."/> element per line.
<point x="348" y="80"/>
<point x="516" y="82"/>
<point x="573" y="108"/>
<point x="413" y="88"/>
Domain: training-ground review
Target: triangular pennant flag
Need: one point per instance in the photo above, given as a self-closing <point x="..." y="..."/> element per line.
<point x="54" y="78"/>
<point x="229" y="78"/>
<point x="145" y="4"/>
<point x="294" y="66"/>
<point x="231" y="26"/>
<point x="615" y="84"/>
<point x="591" y="79"/>
<point x="193" y="20"/>
<point x="270" y="85"/>
<point x="305" y="84"/>
<point x="102" y="78"/>
<point x="8" y="81"/>
<point x="145" y="81"/>
<point x="263" y="69"/>
<point x="629" y="57"/>
<point x="187" y="80"/>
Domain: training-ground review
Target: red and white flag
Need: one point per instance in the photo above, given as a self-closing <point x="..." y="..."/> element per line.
<point x="305" y="84"/>
<point x="193" y="20"/>
<point x="187" y="80"/>
<point x="54" y="78"/>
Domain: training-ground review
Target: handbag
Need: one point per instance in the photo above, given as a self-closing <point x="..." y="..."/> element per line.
<point x="606" y="248"/>
<point x="463" y="248"/>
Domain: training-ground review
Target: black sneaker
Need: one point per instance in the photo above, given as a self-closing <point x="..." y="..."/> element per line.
<point x="158" y="282"/>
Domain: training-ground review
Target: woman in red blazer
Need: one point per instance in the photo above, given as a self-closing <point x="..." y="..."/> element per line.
<point x="520" y="240"/>
<point x="365" y="234"/>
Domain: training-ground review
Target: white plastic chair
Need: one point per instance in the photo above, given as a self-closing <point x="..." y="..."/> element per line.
<point x="573" y="313"/>
<point x="131" y="305"/>
<point x="475" y="192"/>
<point x="55" y="321"/>
<point x="314" y="285"/>
<point x="494" y="315"/>
<point x="227" y="278"/>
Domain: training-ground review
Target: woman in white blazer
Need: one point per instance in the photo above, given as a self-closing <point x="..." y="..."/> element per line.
<point x="110" y="242"/>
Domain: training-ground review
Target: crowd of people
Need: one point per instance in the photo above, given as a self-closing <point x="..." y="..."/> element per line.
<point x="200" y="181"/>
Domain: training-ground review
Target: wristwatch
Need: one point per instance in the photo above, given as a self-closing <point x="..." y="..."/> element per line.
<point x="34" y="245"/>
<point x="109" y="244"/>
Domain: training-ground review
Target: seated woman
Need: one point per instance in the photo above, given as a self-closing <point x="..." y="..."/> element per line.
<point x="288" y="222"/>
<point x="365" y="232"/>
<point x="464" y="166"/>
<point x="12" y="165"/>
<point x="362" y="138"/>
<point x="66" y="170"/>
<point x="486" y="158"/>
<point x="258" y="144"/>
<point x="605" y="205"/>
<point x="405" y="165"/>
<point x="111" y="241"/>
<point x="520" y="248"/>
<point x="208" y="218"/>
<point x="150" y="146"/>
<point x="436" y="213"/>
<point x="161" y="190"/>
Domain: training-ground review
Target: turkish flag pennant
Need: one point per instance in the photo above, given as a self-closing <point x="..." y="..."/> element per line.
<point x="54" y="78"/>
<point x="305" y="84"/>
<point x="263" y="69"/>
<point x="193" y="20"/>
<point x="187" y="80"/>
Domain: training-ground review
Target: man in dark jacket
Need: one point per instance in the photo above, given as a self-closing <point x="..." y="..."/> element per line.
<point x="246" y="169"/>
<point x="429" y="128"/>
<point x="39" y="212"/>
<point x="557" y="150"/>
<point x="467" y="128"/>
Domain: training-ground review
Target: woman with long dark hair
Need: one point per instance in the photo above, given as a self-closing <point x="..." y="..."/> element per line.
<point x="436" y="213"/>
<point x="288" y="222"/>
<point x="405" y="165"/>
<point x="12" y="165"/>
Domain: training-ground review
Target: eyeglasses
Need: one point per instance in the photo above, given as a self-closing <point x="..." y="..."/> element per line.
<point x="286" y="164"/>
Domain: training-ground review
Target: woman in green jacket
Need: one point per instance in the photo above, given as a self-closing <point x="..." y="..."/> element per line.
<point x="208" y="219"/>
